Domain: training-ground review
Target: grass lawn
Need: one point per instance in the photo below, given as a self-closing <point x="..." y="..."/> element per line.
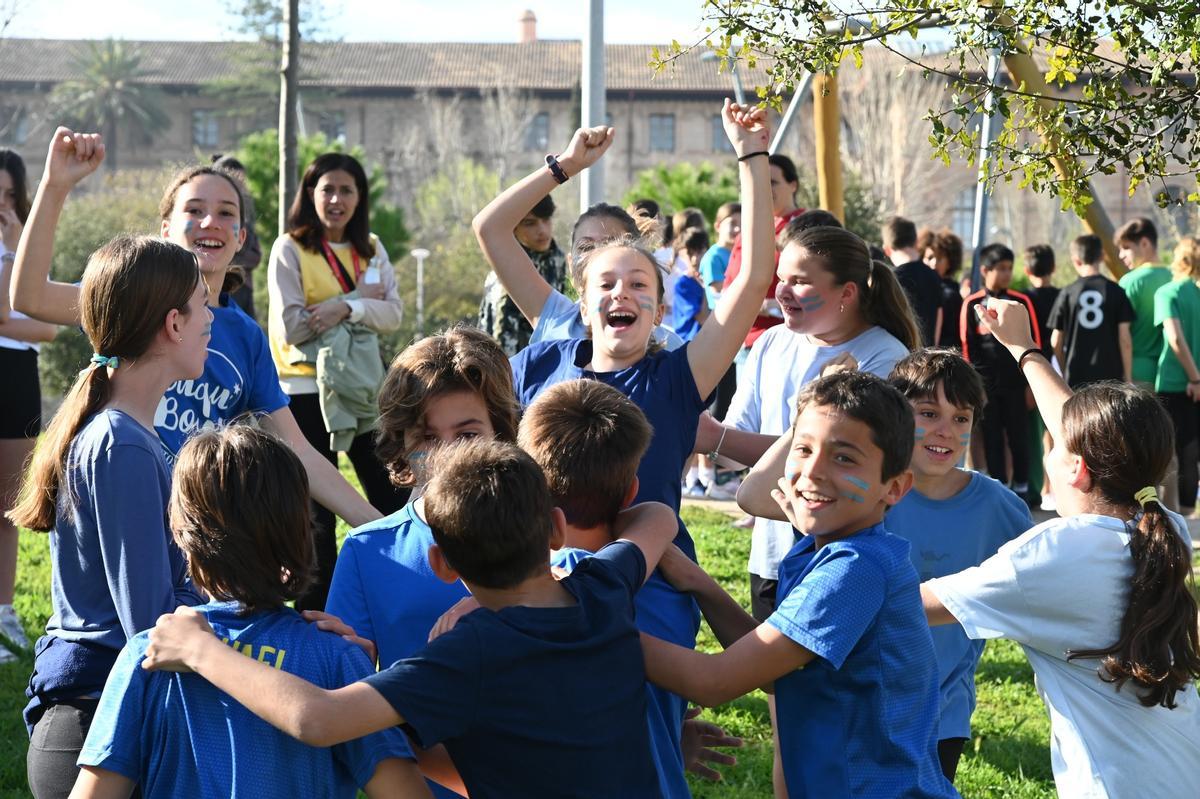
<point x="1009" y="756"/>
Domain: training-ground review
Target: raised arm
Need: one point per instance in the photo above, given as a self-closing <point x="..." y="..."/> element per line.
<point x="1009" y="322"/>
<point x="719" y="340"/>
<point x="494" y="225"/>
<point x="183" y="641"/>
<point x="756" y="493"/>
<point x="71" y="157"/>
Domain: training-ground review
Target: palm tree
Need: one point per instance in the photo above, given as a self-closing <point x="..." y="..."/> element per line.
<point x="110" y="93"/>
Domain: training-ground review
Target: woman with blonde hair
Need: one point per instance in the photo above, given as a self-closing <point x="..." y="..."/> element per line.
<point x="1177" y="309"/>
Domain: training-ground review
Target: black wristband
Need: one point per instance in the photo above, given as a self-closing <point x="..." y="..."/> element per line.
<point x="1026" y="354"/>
<point x="748" y="156"/>
<point x="556" y="169"/>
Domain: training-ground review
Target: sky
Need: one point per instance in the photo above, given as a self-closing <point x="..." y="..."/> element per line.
<point x="626" y="21"/>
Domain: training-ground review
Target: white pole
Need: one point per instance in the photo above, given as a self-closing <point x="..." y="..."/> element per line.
<point x="420" y="254"/>
<point x="591" y="182"/>
<point x="979" y="223"/>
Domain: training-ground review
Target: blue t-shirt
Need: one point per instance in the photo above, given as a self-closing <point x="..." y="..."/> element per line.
<point x="539" y="701"/>
<point x="948" y="536"/>
<point x="667" y="614"/>
<point x="689" y="301"/>
<point x="114" y="565"/>
<point x="239" y="377"/>
<point x="712" y="270"/>
<point x="560" y="321"/>
<point x="384" y="587"/>
<point x="178" y="735"/>
<point x="861" y="718"/>
<point x="661" y="385"/>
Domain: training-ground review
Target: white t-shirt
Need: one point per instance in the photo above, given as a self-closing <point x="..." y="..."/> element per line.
<point x="674" y="267"/>
<point x="13" y="343"/>
<point x="779" y="364"/>
<point x="1064" y="585"/>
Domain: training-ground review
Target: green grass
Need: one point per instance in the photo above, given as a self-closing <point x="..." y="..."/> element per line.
<point x="1009" y="756"/>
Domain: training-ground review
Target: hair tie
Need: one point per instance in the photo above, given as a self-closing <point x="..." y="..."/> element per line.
<point x="111" y="361"/>
<point x="1147" y="494"/>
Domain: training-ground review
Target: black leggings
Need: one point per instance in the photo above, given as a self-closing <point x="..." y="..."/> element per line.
<point x="54" y="747"/>
<point x="386" y="497"/>
<point x="1005" y="416"/>
<point x="1185" y="415"/>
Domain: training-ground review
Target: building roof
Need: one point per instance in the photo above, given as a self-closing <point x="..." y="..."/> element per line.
<point x="546" y="65"/>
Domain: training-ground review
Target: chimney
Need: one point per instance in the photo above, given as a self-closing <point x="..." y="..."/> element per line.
<point x="528" y="27"/>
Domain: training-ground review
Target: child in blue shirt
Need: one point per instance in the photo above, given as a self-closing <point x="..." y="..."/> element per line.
<point x="201" y="211"/>
<point x="690" y="306"/>
<point x="588" y="438"/>
<point x="239" y="509"/>
<point x="98" y="483"/>
<point x="621" y="301"/>
<point x="494" y="687"/>
<point x="847" y="648"/>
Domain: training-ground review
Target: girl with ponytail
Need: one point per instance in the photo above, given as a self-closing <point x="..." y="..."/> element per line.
<point x="1100" y="599"/>
<point x="99" y="483"/>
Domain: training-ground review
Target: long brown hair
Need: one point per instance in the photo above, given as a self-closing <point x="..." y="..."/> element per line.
<point x="235" y="278"/>
<point x="129" y="286"/>
<point x="1159" y="644"/>
<point x="461" y="359"/>
<point x="882" y="300"/>
<point x="303" y="223"/>
<point x="11" y="163"/>
<point x="239" y="509"/>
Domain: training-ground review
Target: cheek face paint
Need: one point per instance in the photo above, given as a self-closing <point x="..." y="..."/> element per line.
<point x="188" y="226"/>
<point x="810" y="303"/>
<point x="919" y="433"/>
<point x="646" y="305"/>
<point x="236" y="229"/>
<point x="857" y="483"/>
<point x="791" y="469"/>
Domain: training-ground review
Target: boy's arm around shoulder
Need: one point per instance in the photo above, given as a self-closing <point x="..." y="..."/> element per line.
<point x="183" y="641"/>
<point x="729" y="620"/>
<point x="651" y="526"/>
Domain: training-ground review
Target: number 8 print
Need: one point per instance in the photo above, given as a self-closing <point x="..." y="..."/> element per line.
<point x="1091" y="309"/>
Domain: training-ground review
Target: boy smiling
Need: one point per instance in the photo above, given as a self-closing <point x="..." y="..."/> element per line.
<point x="847" y="646"/>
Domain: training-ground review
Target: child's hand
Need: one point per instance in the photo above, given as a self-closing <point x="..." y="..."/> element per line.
<point x="72" y="157"/>
<point x="746" y="127"/>
<point x="447" y="620"/>
<point x="784" y="496"/>
<point x="176" y="640"/>
<point x="842" y="363"/>
<point x="684" y="574"/>
<point x="696" y="741"/>
<point x="330" y="623"/>
<point x="1008" y="321"/>
<point x="585" y="149"/>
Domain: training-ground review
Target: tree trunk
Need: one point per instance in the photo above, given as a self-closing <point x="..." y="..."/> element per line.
<point x="109" y="131"/>
<point x="287" y="109"/>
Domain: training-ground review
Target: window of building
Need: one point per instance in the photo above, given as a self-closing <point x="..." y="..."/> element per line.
<point x="720" y="142"/>
<point x="662" y="133"/>
<point x="962" y="219"/>
<point x="537" y="134"/>
<point x="206" y="129"/>
<point x="333" y="125"/>
<point x="14" y="125"/>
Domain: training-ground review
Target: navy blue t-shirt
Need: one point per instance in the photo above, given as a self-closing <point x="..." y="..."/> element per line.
<point x="539" y="701"/>
<point x="239" y="377"/>
<point x="178" y="735"/>
<point x="661" y="385"/>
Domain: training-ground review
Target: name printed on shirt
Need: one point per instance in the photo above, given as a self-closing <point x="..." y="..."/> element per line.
<point x="266" y="654"/>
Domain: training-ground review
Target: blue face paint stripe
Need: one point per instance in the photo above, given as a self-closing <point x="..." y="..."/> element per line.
<point x="919" y="433"/>
<point x="860" y="483"/>
<point x="850" y="495"/>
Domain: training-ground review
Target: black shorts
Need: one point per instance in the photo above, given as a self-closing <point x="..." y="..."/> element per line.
<point x="762" y="597"/>
<point x="21" y="399"/>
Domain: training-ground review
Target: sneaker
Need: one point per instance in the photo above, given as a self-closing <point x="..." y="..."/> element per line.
<point x="10" y="627"/>
<point x="695" y="490"/>
<point x="721" y="492"/>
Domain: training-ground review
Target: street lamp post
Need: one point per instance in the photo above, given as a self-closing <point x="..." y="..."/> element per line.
<point x="739" y="93"/>
<point x="420" y="254"/>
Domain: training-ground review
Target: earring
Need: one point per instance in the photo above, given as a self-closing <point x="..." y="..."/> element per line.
<point x="842" y="307"/>
<point x="180" y="339"/>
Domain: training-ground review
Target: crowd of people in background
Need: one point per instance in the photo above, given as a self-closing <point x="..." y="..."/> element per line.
<point x="515" y="611"/>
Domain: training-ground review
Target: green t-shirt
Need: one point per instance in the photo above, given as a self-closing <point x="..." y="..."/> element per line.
<point x="1179" y="299"/>
<point x="1140" y="285"/>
